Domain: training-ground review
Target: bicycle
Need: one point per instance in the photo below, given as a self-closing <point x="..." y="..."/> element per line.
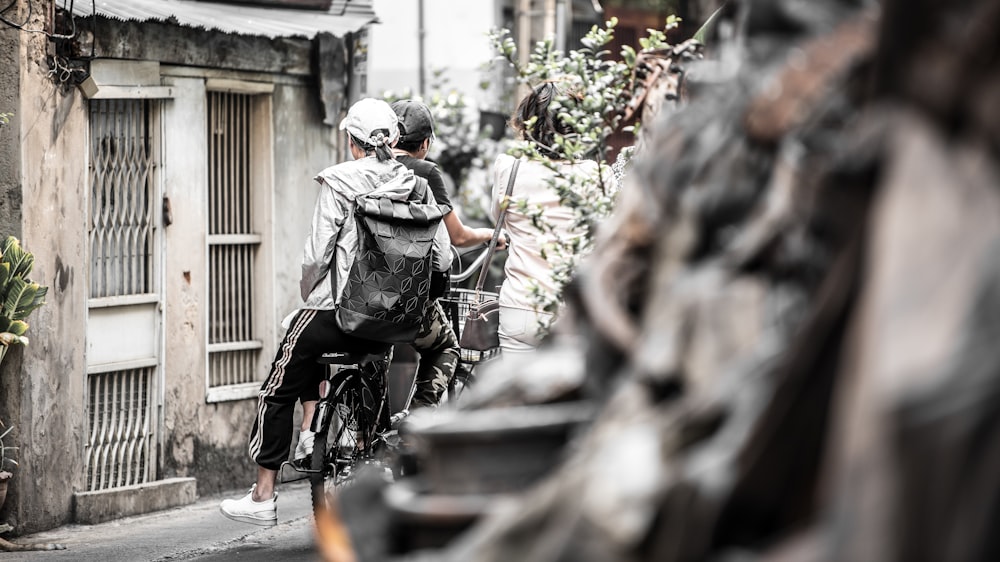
<point x="352" y="422"/>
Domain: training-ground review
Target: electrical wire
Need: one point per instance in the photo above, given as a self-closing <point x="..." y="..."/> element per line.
<point x="21" y="26"/>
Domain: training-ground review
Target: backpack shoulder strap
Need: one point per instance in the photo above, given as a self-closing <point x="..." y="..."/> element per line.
<point x="420" y="190"/>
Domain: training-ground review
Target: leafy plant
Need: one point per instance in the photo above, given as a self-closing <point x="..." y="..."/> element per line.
<point x="6" y="461"/>
<point x="19" y="295"/>
<point x="595" y="90"/>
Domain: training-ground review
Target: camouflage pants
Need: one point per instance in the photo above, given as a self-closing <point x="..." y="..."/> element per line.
<point x="438" y="349"/>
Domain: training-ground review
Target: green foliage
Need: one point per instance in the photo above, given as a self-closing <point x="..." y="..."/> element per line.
<point x="597" y="86"/>
<point x="457" y="137"/>
<point x="657" y="39"/>
<point x="19" y="296"/>
<point x="5" y="118"/>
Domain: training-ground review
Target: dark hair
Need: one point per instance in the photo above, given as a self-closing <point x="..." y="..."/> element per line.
<point x="410" y="145"/>
<point x="547" y="123"/>
<point x="383" y="151"/>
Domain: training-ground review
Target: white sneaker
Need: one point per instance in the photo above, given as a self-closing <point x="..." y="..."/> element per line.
<point x="246" y="510"/>
<point x="304" y="448"/>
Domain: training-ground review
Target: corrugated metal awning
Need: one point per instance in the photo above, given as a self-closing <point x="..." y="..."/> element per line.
<point x="344" y="16"/>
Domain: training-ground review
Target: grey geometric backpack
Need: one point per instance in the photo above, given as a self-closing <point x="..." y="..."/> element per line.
<point x="390" y="279"/>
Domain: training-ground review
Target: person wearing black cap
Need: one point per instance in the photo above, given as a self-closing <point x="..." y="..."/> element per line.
<point x="436" y="343"/>
<point x="416" y="134"/>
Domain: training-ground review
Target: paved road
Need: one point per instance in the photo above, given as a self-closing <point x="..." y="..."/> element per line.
<point x="193" y="532"/>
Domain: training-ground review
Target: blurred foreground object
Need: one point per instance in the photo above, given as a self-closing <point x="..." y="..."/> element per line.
<point x="787" y="332"/>
<point x="792" y="322"/>
<point x="332" y="535"/>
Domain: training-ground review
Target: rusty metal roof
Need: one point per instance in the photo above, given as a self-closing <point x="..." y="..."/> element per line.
<point x="344" y="16"/>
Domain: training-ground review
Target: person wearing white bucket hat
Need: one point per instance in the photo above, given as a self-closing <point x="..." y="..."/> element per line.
<point x="372" y="129"/>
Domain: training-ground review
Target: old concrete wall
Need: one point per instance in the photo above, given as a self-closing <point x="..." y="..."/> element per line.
<point x="303" y="147"/>
<point x="170" y="44"/>
<point x="10" y="165"/>
<point x="192" y="429"/>
<point x="53" y="177"/>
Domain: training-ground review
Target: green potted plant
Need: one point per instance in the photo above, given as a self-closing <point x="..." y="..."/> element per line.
<point x="19" y="297"/>
<point x="6" y="462"/>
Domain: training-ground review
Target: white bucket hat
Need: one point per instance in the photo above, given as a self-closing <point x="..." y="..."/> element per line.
<point x="372" y="121"/>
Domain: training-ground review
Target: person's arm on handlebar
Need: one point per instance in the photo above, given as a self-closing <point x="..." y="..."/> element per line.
<point x="463" y="236"/>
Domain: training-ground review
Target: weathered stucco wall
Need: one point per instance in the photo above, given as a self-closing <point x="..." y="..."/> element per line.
<point x="303" y="146"/>
<point x="51" y="423"/>
<point x="168" y="43"/>
<point x="185" y="184"/>
<point x="10" y="148"/>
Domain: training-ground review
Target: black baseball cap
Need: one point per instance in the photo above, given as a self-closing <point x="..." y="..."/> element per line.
<point x="415" y="120"/>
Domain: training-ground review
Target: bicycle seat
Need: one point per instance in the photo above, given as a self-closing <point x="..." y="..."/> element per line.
<point x="348" y="358"/>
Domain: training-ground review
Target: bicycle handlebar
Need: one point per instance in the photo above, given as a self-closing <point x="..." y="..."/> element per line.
<point x="462" y="275"/>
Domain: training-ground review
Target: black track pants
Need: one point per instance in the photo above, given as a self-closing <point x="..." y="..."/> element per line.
<point x="312" y="333"/>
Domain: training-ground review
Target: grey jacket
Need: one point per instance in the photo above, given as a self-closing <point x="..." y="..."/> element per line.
<point x="334" y="231"/>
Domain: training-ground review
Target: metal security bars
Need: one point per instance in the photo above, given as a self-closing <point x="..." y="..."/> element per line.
<point x="121" y="226"/>
<point x="233" y="242"/>
<point x="120" y="446"/>
<point x="123" y="318"/>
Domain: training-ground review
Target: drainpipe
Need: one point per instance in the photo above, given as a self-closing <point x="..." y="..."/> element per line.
<point x="561" y="17"/>
<point x="549" y="20"/>
<point x="523" y="17"/>
<point x="421" y="32"/>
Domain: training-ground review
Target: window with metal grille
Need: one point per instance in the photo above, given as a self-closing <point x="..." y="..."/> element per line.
<point x="233" y="244"/>
<point x="121" y="226"/>
<point x="121" y="445"/>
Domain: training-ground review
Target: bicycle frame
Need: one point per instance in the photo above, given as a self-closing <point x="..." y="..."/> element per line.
<point x="337" y="385"/>
<point x="354" y="407"/>
<point x="460" y="275"/>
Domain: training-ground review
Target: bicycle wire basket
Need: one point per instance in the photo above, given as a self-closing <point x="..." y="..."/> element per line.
<point x="456" y="306"/>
